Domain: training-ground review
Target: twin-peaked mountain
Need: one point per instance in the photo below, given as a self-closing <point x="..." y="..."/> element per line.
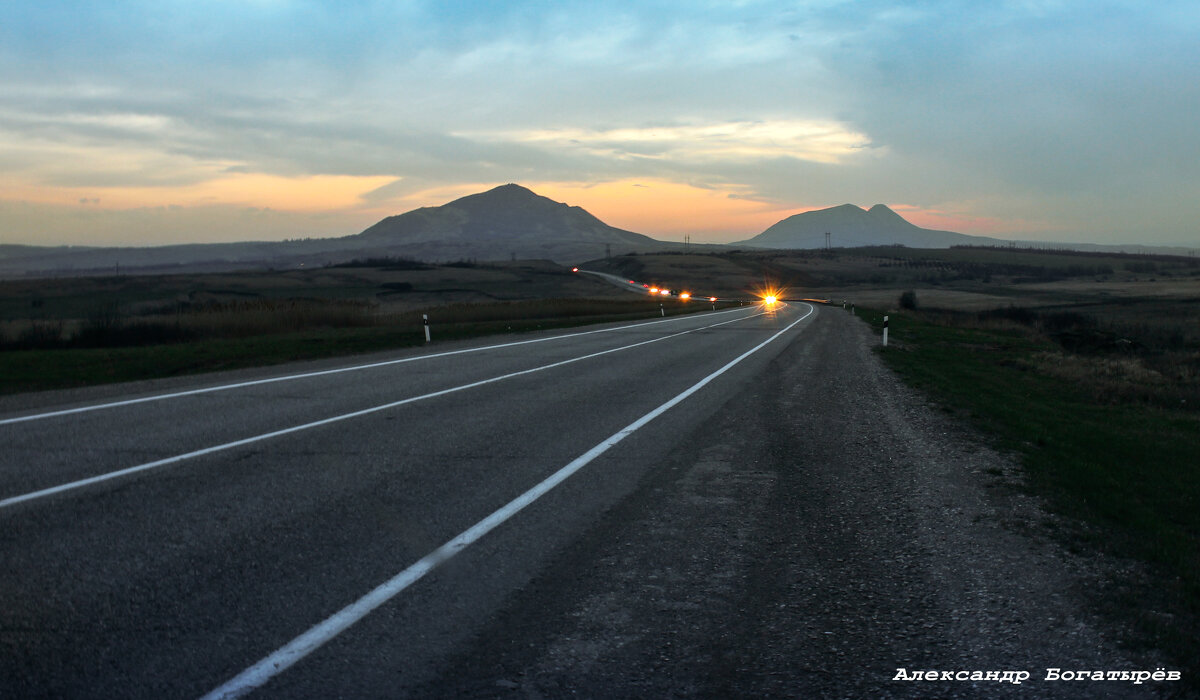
<point x="849" y="226"/>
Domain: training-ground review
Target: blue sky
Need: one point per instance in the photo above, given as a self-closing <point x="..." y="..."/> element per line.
<point x="164" y="122"/>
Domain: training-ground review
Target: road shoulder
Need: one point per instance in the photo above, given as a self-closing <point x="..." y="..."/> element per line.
<point x="824" y="530"/>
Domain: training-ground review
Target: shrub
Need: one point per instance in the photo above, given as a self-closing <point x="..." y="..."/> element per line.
<point x="908" y="300"/>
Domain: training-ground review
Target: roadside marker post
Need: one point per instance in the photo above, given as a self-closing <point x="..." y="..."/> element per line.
<point x="885" y="329"/>
<point x="425" y="320"/>
<point x="661" y="310"/>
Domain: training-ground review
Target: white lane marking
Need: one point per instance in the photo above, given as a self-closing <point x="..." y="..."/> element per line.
<point x="355" y="368"/>
<point x="50" y="491"/>
<point x="286" y="656"/>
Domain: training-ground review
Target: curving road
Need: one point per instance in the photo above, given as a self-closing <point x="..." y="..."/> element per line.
<point x="333" y="528"/>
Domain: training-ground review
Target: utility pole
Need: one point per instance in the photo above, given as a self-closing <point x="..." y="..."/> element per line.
<point x="608" y="250"/>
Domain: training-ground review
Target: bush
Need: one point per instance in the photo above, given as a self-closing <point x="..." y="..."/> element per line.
<point x="908" y="300"/>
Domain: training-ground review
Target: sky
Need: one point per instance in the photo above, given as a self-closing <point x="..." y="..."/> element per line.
<point x="172" y="121"/>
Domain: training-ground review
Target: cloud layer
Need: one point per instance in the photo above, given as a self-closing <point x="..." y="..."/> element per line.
<point x="1058" y="120"/>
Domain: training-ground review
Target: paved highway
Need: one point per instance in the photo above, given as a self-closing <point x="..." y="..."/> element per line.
<point x="333" y="528"/>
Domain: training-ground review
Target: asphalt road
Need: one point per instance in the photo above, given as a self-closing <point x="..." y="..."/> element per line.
<point x="161" y="539"/>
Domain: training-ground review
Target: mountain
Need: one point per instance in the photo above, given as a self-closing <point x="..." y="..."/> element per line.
<point x="850" y="226"/>
<point x="504" y="222"/>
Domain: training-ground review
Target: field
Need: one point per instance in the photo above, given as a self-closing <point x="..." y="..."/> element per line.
<point x="70" y="326"/>
<point x="70" y="332"/>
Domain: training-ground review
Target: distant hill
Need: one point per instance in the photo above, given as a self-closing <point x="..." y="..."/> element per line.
<point x="850" y="226"/>
<point x="502" y="223"/>
<point x="507" y="221"/>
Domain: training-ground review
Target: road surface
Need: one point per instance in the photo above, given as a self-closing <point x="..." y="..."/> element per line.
<point x="259" y="510"/>
<point x="738" y="503"/>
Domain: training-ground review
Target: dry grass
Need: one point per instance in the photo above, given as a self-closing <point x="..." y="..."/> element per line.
<point x="1171" y="382"/>
<point x="1100" y="349"/>
<point x="262" y="316"/>
<point x="1105" y="437"/>
<point x="108" y="327"/>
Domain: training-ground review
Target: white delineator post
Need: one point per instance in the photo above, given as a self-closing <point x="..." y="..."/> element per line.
<point x="662" y="311"/>
<point x="425" y="320"/>
<point x="885" y="325"/>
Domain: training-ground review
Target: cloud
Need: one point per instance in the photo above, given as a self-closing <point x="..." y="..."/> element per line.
<point x="313" y="193"/>
<point x="812" y="140"/>
<point x="45" y="224"/>
<point x="1051" y="110"/>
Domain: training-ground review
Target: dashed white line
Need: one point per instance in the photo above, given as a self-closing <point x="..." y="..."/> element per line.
<point x="34" y="495"/>
<point x="354" y="368"/>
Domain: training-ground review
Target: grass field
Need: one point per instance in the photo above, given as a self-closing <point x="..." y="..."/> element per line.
<point x="259" y="336"/>
<point x="1116" y="453"/>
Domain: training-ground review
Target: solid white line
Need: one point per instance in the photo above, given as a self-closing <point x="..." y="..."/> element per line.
<point x="355" y="368"/>
<point x="285" y="657"/>
<point x="34" y="495"/>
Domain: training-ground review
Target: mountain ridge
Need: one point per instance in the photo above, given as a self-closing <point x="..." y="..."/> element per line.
<point x="508" y="221"/>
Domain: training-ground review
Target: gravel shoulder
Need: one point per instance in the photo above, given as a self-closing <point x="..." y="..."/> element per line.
<point x="824" y="530"/>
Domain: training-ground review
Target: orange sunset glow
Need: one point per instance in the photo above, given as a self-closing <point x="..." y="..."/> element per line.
<point x="663" y="208"/>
